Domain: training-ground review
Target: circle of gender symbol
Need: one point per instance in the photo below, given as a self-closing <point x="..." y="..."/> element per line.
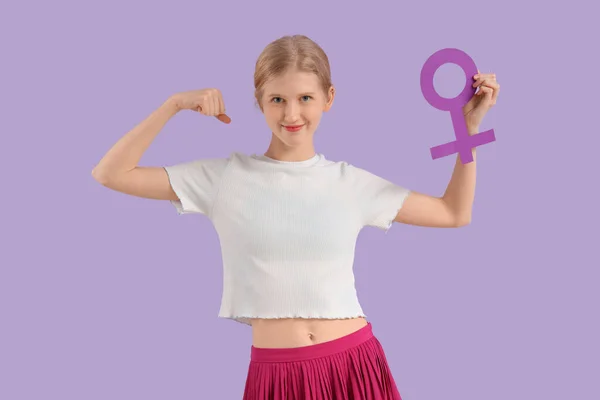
<point x="464" y="142"/>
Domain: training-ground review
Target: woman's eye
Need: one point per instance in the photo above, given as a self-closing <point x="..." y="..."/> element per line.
<point x="279" y="99"/>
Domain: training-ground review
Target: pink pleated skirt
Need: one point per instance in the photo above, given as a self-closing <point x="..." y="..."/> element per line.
<point x="352" y="367"/>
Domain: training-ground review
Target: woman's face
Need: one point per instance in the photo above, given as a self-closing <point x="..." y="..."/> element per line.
<point x="293" y="104"/>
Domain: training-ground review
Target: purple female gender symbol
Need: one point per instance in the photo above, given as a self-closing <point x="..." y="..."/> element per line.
<point x="463" y="143"/>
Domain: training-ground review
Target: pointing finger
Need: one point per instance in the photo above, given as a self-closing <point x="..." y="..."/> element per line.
<point x="224" y="118"/>
<point x="221" y="106"/>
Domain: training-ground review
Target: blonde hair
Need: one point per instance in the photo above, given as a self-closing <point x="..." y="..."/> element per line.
<point x="291" y="52"/>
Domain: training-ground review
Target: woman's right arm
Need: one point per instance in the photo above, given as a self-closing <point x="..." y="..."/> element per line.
<point x="119" y="169"/>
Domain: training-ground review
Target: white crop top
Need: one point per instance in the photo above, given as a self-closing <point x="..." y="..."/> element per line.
<point x="287" y="230"/>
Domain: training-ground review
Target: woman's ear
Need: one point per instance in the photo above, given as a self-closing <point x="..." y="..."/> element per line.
<point x="331" y="96"/>
<point x="258" y="105"/>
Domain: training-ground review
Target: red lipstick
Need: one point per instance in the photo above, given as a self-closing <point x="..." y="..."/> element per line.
<point x="293" y="128"/>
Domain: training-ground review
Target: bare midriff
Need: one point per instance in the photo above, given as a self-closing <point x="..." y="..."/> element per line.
<point x="296" y="332"/>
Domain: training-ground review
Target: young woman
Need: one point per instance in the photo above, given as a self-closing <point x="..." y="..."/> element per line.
<point x="288" y="221"/>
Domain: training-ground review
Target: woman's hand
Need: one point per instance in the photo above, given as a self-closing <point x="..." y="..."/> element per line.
<point x="482" y="101"/>
<point x="206" y="101"/>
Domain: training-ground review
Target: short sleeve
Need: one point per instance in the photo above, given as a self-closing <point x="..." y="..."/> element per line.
<point x="378" y="199"/>
<point x="196" y="184"/>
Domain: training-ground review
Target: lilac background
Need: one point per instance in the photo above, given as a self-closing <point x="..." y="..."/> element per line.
<point x="105" y="296"/>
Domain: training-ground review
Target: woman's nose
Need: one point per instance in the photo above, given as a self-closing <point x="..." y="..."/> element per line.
<point x="291" y="111"/>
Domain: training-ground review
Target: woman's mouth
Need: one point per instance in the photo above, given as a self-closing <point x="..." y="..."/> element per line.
<point x="293" y="128"/>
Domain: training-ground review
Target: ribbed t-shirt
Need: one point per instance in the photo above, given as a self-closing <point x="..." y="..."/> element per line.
<point x="287" y="230"/>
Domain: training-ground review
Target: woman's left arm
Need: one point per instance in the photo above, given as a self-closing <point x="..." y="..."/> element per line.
<point x="454" y="208"/>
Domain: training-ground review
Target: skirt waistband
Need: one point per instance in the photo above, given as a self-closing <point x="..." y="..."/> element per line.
<point x="313" y="351"/>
